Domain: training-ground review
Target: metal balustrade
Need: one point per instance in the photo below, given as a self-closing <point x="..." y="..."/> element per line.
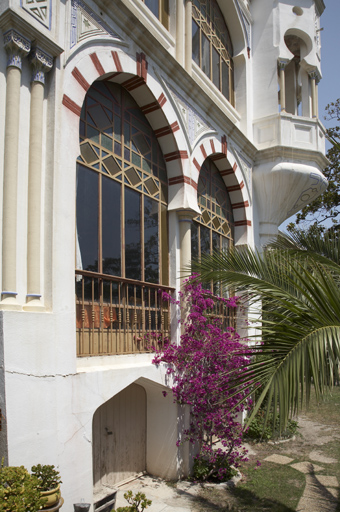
<point x="119" y="316"/>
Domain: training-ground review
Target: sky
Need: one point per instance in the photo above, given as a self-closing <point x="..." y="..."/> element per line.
<point x="329" y="87"/>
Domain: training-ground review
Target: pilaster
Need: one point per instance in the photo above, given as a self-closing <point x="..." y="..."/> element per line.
<point x="17" y="47"/>
<point x="41" y="63"/>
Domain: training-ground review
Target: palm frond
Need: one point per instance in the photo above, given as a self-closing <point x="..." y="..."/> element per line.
<point x="295" y="286"/>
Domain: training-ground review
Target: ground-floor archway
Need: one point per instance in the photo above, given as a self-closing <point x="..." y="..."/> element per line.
<point x="119" y="438"/>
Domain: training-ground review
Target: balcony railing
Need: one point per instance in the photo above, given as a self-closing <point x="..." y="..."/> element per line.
<point x="119" y="316"/>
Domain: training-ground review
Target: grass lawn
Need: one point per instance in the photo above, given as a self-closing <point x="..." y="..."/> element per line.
<point x="278" y="488"/>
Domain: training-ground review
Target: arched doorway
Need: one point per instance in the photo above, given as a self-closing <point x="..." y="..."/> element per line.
<point x="119" y="438"/>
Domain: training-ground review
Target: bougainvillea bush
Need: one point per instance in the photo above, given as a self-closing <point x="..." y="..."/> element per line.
<point x="202" y="366"/>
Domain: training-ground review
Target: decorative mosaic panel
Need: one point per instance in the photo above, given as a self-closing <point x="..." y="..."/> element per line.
<point x="194" y="123"/>
<point x="85" y="23"/>
<point x="40" y="10"/>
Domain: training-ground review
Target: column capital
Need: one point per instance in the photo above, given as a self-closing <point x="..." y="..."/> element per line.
<point x="315" y="74"/>
<point x="186" y="215"/>
<point x="16" y="46"/>
<point x="282" y="62"/>
<point x="41" y="63"/>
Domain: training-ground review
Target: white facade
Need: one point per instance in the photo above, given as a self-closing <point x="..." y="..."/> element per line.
<point x="269" y="148"/>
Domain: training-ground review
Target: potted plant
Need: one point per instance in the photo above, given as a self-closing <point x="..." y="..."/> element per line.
<point x="19" y="490"/>
<point x="48" y="483"/>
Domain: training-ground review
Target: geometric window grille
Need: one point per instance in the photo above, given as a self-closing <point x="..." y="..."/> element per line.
<point x="121" y="173"/>
<point x="214" y="228"/>
<point x="212" y="48"/>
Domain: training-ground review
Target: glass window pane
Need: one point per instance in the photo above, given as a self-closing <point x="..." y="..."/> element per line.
<point x="205" y="240"/>
<point x="205" y="65"/>
<point x="151" y="246"/>
<point x="111" y="191"/>
<point x="195" y="43"/>
<point x="153" y="5"/>
<point x="216" y="68"/>
<point x="87" y="219"/>
<point x="194" y="240"/>
<point x="225" y="81"/>
<point x="132" y="234"/>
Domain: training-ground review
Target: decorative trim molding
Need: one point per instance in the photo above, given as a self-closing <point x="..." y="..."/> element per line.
<point x="16" y="46"/>
<point x="41" y="63"/>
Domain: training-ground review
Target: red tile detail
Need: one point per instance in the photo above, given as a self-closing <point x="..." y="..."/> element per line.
<point x="112" y="75"/>
<point x="204" y="153"/>
<point x="224" y="145"/>
<point x="196" y="164"/>
<point x="212" y="145"/>
<point x="174" y="127"/>
<point x="235" y="167"/>
<point x="219" y="156"/>
<point x="182" y="179"/>
<point x="142" y="66"/>
<point x="116" y="60"/>
<point x="226" y="172"/>
<point x="150" y="107"/>
<point x="243" y="223"/>
<point x="175" y="155"/>
<point x="80" y="79"/>
<point x="97" y="64"/>
<point x="167" y="130"/>
<point x="244" y="204"/>
<point x="161" y="100"/>
<point x="70" y="104"/>
<point x="133" y="83"/>
<point x="234" y="188"/>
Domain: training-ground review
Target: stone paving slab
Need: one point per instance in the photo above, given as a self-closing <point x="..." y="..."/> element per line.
<point x="306" y="467"/>
<point x="278" y="459"/>
<point x="316" y="498"/>
<point x="327" y="481"/>
<point x="333" y="492"/>
<point x="320" y="457"/>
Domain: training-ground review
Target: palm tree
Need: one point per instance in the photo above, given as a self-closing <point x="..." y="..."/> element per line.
<point x="295" y="286"/>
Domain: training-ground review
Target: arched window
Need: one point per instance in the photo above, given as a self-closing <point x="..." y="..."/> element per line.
<point x="214" y="228"/>
<point x="212" y="49"/>
<point x="160" y="8"/>
<point x="121" y="219"/>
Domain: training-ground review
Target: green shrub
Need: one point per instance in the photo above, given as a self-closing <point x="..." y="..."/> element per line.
<point x="139" y="500"/>
<point x="19" y="490"/>
<point x="258" y="432"/>
<point x="48" y="476"/>
<point x="215" y="469"/>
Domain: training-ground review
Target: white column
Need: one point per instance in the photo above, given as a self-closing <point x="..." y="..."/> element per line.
<point x="313" y="77"/>
<point x="41" y="63"/>
<point x="188" y="36"/>
<point x="185" y="219"/>
<point x="282" y="82"/>
<point x="180" y="31"/>
<point x="17" y="47"/>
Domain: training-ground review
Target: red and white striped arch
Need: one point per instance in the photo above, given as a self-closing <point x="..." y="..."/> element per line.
<point x="132" y="72"/>
<point x="217" y="151"/>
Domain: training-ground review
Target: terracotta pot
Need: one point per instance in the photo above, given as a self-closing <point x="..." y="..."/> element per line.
<point x="53" y="496"/>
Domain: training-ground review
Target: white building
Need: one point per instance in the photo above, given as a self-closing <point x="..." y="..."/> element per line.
<point x="134" y="133"/>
